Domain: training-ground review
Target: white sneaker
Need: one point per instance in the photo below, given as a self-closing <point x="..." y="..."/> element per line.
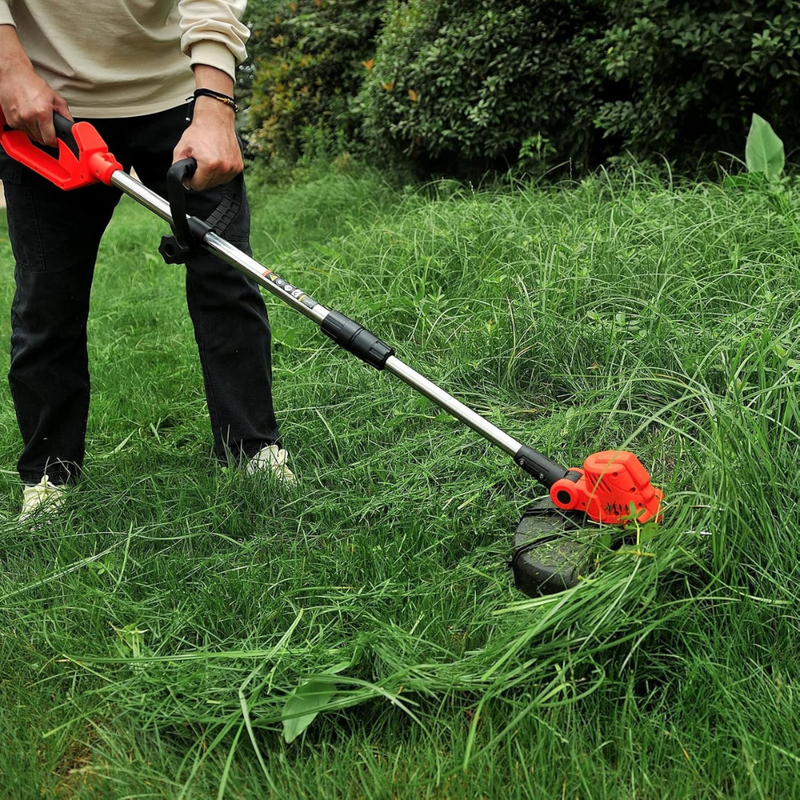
<point x="41" y="497"/>
<point x="272" y="458"/>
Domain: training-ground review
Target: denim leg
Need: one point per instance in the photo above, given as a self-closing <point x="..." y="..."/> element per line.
<point x="234" y="341"/>
<point x="226" y="307"/>
<point x="54" y="236"/>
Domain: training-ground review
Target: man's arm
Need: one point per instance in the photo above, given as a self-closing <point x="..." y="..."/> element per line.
<point x="27" y="101"/>
<point x="214" y="39"/>
<point x="211" y="138"/>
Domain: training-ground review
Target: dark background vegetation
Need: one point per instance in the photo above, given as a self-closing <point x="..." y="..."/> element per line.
<point x="462" y="87"/>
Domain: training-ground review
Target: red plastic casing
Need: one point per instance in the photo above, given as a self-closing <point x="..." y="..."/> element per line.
<point x="609" y="483"/>
<point x="94" y="163"/>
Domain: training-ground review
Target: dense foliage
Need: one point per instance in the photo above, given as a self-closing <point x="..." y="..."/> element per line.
<point x="484" y="80"/>
<point x="687" y="77"/>
<point x="465" y="85"/>
<point x="306" y="68"/>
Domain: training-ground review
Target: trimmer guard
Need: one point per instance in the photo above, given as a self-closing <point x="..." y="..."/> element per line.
<point x="550" y="554"/>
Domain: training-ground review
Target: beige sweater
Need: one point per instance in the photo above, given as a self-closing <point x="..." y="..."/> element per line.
<point x="119" y="58"/>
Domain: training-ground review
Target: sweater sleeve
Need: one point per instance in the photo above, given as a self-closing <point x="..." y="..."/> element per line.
<point x="212" y="32"/>
<point x="5" y="13"/>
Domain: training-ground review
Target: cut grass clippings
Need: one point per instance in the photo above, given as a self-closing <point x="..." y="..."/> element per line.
<point x="179" y="622"/>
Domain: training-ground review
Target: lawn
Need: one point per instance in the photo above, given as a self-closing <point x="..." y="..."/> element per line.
<point x="151" y="636"/>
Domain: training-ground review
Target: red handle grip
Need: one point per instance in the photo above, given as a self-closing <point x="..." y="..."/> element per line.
<point x="91" y="164"/>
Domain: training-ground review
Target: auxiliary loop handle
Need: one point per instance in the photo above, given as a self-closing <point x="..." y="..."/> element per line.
<point x="188" y="234"/>
<point x="177" y="175"/>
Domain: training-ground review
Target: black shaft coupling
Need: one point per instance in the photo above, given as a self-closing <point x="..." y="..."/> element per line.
<point x="545" y="471"/>
<point x="356" y="339"/>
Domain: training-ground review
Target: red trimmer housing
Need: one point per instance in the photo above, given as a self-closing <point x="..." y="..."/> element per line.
<point x="82" y="159"/>
<point x="611" y="485"/>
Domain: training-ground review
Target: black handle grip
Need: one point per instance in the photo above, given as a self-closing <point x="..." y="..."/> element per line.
<point x="178" y="173"/>
<point x="62" y="125"/>
<point x="63" y="128"/>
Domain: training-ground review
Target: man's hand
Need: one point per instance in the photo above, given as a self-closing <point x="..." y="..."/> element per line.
<point x="27" y="101"/>
<point x="211" y="138"/>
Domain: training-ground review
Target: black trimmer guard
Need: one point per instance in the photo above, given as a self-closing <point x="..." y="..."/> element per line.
<point x="549" y="552"/>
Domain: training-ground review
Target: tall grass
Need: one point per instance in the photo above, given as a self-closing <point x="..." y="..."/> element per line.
<point x="152" y="635"/>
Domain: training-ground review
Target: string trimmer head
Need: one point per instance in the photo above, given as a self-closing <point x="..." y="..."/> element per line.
<point x="552" y="543"/>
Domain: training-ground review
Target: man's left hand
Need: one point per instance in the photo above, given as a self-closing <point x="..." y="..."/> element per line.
<point x="211" y="141"/>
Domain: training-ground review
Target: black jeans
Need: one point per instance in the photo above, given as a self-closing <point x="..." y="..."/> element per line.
<point x="55" y="237"/>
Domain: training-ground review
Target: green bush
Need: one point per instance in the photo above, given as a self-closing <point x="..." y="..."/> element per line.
<point x="465" y="86"/>
<point x="485" y="81"/>
<point x="306" y="67"/>
<point x="685" y="78"/>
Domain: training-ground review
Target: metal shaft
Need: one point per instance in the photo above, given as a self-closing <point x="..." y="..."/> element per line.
<point x="301" y="302"/>
<point x="219" y="247"/>
<point x="453" y="406"/>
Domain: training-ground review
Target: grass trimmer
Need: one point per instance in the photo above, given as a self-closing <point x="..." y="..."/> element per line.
<point x="550" y="552"/>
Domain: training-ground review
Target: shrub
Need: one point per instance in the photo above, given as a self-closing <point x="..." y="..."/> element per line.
<point x="485" y="80"/>
<point x="687" y="77"/>
<point x="464" y="86"/>
<point x="306" y="67"/>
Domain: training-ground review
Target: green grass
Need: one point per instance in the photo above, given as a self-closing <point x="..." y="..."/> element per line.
<point x="150" y="637"/>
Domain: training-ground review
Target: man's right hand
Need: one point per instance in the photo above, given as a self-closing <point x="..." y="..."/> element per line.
<point x="27" y="101"/>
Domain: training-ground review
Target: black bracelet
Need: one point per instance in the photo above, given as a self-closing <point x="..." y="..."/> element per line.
<point x="223" y="98"/>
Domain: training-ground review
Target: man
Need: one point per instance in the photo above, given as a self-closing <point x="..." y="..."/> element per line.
<point x="128" y="67"/>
